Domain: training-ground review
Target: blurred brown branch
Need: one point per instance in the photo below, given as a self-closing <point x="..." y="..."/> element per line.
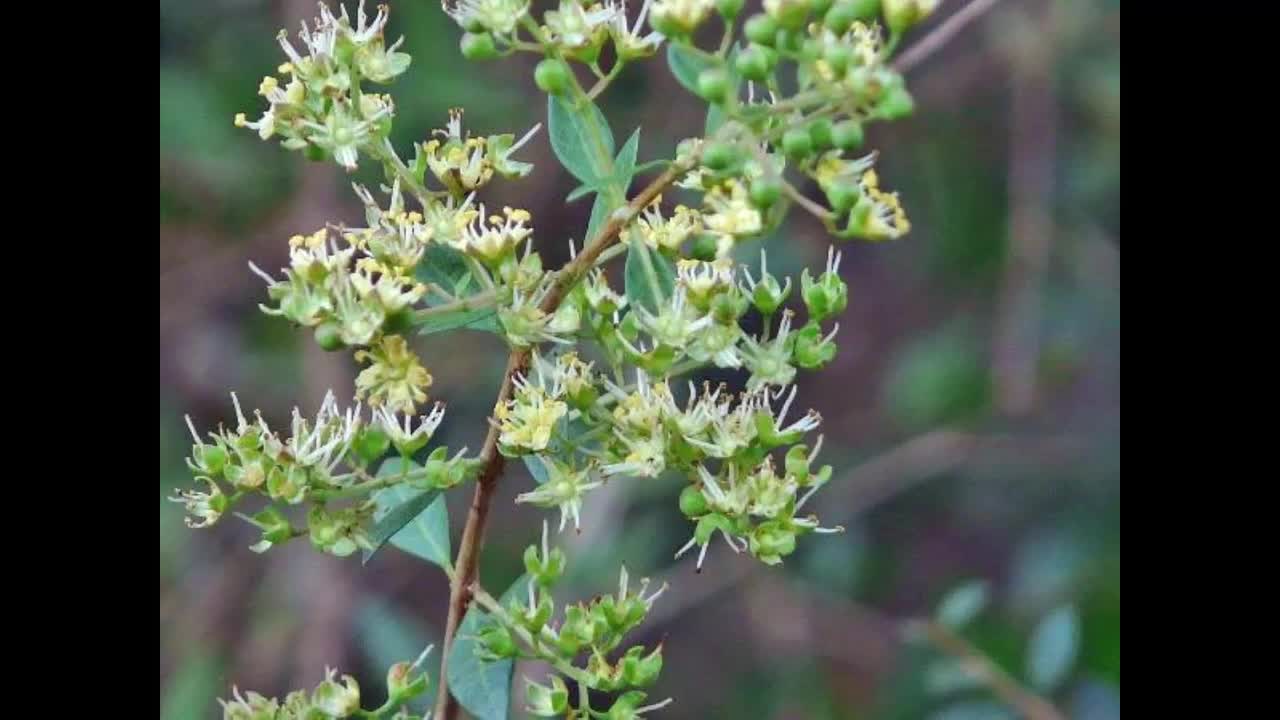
<point x="941" y="35"/>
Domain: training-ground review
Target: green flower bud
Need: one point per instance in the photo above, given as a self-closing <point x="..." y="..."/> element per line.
<point x="329" y="336"/>
<point x="901" y="15"/>
<point x="761" y="29"/>
<point x="820" y="132"/>
<point x="692" y="502"/>
<point x="720" y="156"/>
<point x="552" y="76"/>
<point x="843" y="193"/>
<point x="765" y="191"/>
<point x="789" y="40"/>
<point x="753" y="63"/>
<point x="729" y="9"/>
<point x="713" y="85"/>
<point x="797" y="144"/>
<point x="334" y="700"/>
<point x="494" y="642"/>
<point x="704" y="248"/>
<point x="370" y="444"/>
<point x="544" y="569"/>
<point x="770" y="542"/>
<point x="847" y="135"/>
<point x="478" y="46"/>
<point x="789" y="14"/>
<point x="625" y="707"/>
<point x="811" y="349"/>
<point x="402" y="686"/>
<point x="253" y="707"/>
<point x="819" y="7"/>
<point x="545" y="701"/>
<point x="896" y="103"/>
<point x="288" y="485"/>
<point x="208" y="460"/>
<point x="638" y="671"/>
<point x="826" y="297"/>
<point x="767" y="295"/>
<point x="841" y="16"/>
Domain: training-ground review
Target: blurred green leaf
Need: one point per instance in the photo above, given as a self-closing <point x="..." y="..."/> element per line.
<point x="485" y="319"/>
<point x="443" y="266"/>
<point x="482" y="688"/>
<point x="419" y="519"/>
<point x="650" y="278"/>
<point x="974" y="710"/>
<point x="1055" y="643"/>
<point x="192" y="693"/>
<point x="599" y="211"/>
<point x="948" y="676"/>
<point x="536" y="468"/>
<point x="578" y="192"/>
<point x="578" y="137"/>
<point x="939" y="379"/>
<point x="963" y="604"/>
<point x="686" y="64"/>
<point x="388" y="636"/>
<point x="624" y="166"/>
<point x="1094" y="700"/>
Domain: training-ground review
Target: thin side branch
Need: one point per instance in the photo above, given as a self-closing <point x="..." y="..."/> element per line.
<point x="1027" y="703"/>
<point x="941" y="35"/>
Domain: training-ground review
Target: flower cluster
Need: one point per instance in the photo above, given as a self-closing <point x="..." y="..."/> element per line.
<point x="333" y="698"/>
<point x="317" y="108"/>
<point x="253" y="459"/>
<point x="526" y="627"/>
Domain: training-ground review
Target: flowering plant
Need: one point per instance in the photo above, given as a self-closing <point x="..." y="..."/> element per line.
<point x="595" y="387"/>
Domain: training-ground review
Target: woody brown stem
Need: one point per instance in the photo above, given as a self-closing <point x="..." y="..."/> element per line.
<point x="466" y="565"/>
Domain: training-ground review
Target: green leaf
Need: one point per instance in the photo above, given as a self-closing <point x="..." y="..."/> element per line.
<point x="650" y="165"/>
<point x="395" y="511"/>
<point x="599" y="213"/>
<point x="536" y="468"/>
<point x="443" y="266"/>
<point x="580" y="191"/>
<point x="427" y="534"/>
<point x="650" y="277"/>
<point x="715" y="118"/>
<point x="686" y="63"/>
<point x="482" y="688"/>
<point x="581" y="139"/>
<point x="624" y="166"/>
<point x="485" y="319"/>
<point x="963" y="604"/>
<point x="1053" y="649"/>
<point x="190" y="692"/>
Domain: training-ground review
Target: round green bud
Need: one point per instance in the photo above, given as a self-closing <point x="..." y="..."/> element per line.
<point x="713" y="85"/>
<point x="720" y="156"/>
<point x="761" y="29"/>
<point x="821" y="133"/>
<point x="838" y="57"/>
<point x="847" y="135"/>
<point x="820" y="7"/>
<point x="329" y="337"/>
<point x="865" y="9"/>
<point x="896" y="103"/>
<point x="729" y="9"/>
<point x="765" y="191"/>
<point x="790" y="14"/>
<point x="797" y="144"/>
<point x="811" y="49"/>
<point x="704" y="248"/>
<point x="552" y="76"/>
<point x="478" y="46"/>
<point x="841" y="16"/>
<point x="474" y="25"/>
<point x="789" y="41"/>
<point x="692" y="502"/>
<point x="371" y="444"/>
<point x="210" y="459"/>
<point x="843" y="195"/>
<point x="753" y="63"/>
<point x="315" y="153"/>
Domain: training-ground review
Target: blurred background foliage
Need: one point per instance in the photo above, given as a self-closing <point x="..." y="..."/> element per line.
<point x="973" y="415"/>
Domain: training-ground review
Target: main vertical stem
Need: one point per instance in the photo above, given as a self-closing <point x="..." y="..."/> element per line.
<point x="466" y="565"/>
